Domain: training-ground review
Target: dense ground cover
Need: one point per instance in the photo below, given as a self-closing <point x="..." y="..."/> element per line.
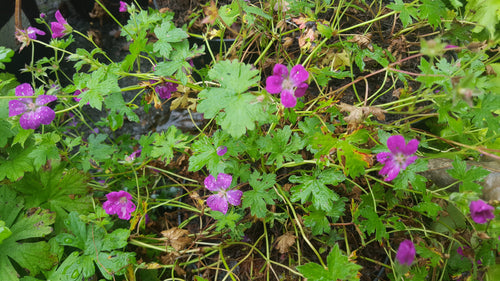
<point x="313" y="127"/>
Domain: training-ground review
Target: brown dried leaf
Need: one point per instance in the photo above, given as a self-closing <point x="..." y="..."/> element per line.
<point x="358" y="114"/>
<point x="284" y="242"/>
<point x="177" y="238"/>
<point x="363" y="41"/>
<point x="211" y="12"/>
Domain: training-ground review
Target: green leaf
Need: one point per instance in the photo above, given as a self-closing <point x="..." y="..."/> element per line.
<point x="178" y="64"/>
<point x="236" y="111"/>
<point x="468" y="177"/>
<point x="314" y="188"/>
<point x="317" y="222"/>
<point x="433" y="11"/>
<point x="430" y="254"/>
<point x="486" y="14"/>
<point x="338" y="268"/>
<point x="4" y="231"/>
<point x="24" y="246"/>
<point x="411" y="175"/>
<point x="234" y="76"/>
<point x="372" y="222"/>
<point x="5" y="56"/>
<point x="281" y="145"/>
<point x="167" y="34"/>
<point x="60" y="190"/>
<point x="100" y="84"/>
<point x="46" y="149"/>
<point x="406" y="12"/>
<point x="97" y="247"/>
<point x="115" y="102"/>
<point x="164" y="144"/>
<point x="205" y="152"/>
<point x="16" y="162"/>
<point x="427" y="207"/>
<point x="261" y="195"/>
<point x="5" y="132"/>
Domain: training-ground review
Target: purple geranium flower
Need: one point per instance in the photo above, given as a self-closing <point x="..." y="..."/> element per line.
<point x="164" y="90"/>
<point x="133" y="155"/>
<point x="291" y="85"/>
<point x="119" y="203"/>
<point x="480" y="211"/>
<point x="406" y="253"/>
<point x="33" y="31"/>
<point x="219" y="201"/>
<point x="399" y="157"/>
<point x="123" y="7"/>
<point x="33" y="113"/>
<point x="221" y="150"/>
<point x="61" y="27"/>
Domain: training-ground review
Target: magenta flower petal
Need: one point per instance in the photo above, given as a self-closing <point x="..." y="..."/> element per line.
<point x="301" y="90"/>
<point x="273" y="84"/>
<point x="217" y="203"/>
<point x="165" y="90"/>
<point x="288" y="99"/>
<point x="61" y="27"/>
<point x="290" y="85"/>
<point x="406" y="253"/>
<point x="44" y="115"/>
<point x="60" y="19"/>
<point x="33" y="31"/>
<point x="396" y="143"/>
<point x="481" y="212"/>
<point x="123" y="7"/>
<point x="234" y="197"/>
<point x="44" y="99"/>
<point x="16" y="107"/>
<point x="409" y="161"/>
<point x="119" y="203"/>
<point x="222" y="198"/>
<point x="57" y="30"/>
<point x="281" y="71"/>
<point x="224" y="180"/>
<point x="399" y="157"/>
<point x="24" y="89"/>
<point x="298" y="74"/>
<point x="391" y="172"/>
<point x="221" y="150"/>
<point x="29" y="120"/>
<point x="411" y="147"/>
<point x="383" y="157"/>
<point x="210" y="183"/>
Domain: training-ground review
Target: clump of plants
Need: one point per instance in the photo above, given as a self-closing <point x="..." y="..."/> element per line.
<point x="310" y="159"/>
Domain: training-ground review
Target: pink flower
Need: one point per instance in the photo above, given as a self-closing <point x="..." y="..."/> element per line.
<point x="119" y="203"/>
<point x="399" y="157"/>
<point x="406" y="252"/>
<point x="33" y="113"/>
<point x="25" y="36"/>
<point x="480" y="211"/>
<point x="221" y="150"/>
<point x="61" y="27"/>
<point x="123" y="7"/>
<point x="219" y="201"/>
<point x="165" y="90"/>
<point x="133" y="155"/>
<point x="33" y="31"/>
<point x="291" y="85"/>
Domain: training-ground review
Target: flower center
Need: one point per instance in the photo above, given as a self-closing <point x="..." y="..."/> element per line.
<point x="400" y="158"/>
<point x="287" y="84"/>
<point x="31" y="106"/>
<point x="123" y="200"/>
